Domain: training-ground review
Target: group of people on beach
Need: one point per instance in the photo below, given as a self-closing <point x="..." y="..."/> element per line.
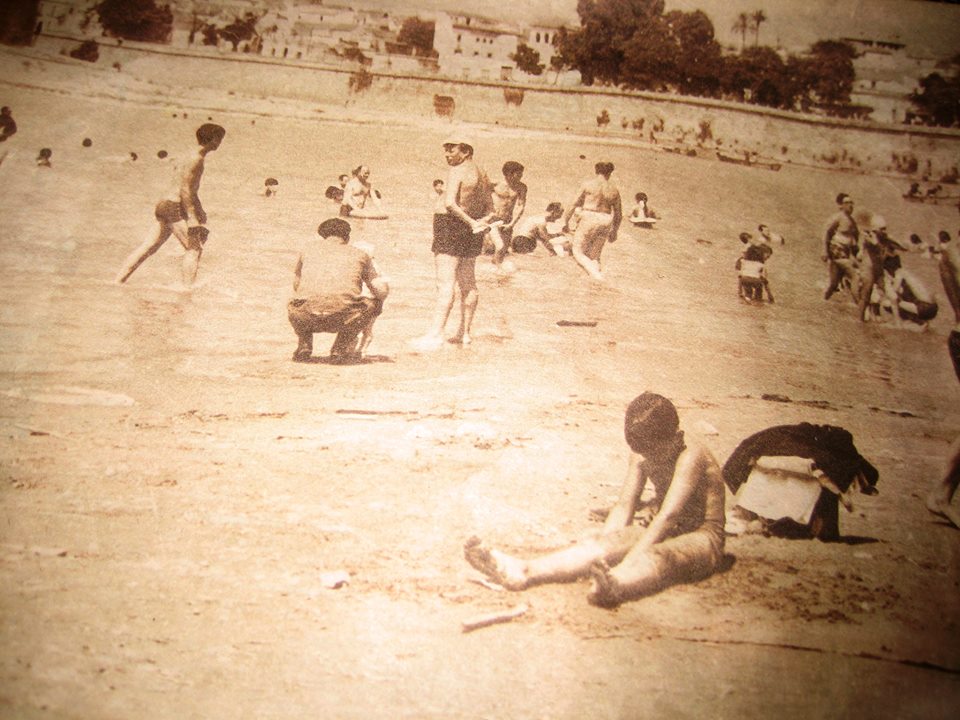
<point x="642" y="548"/>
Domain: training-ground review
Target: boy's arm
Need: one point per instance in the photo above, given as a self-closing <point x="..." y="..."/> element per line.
<point x="297" y="272"/>
<point x="377" y="284"/>
<point x="189" y="198"/>
<point x="692" y="469"/>
<point x="518" y="206"/>
<point x="576" y="203"/>
<point x="621" y="514"/>
<point x="828" y="236"/>
<point x="617" y="218"/>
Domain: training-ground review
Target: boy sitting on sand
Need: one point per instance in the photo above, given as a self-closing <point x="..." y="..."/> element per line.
<point x="683" y="541"/>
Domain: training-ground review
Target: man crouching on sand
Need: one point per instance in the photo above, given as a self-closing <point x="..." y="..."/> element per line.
<point x="683" y="541"/>
<point x="183" y="217"/>
<point x="328" y="280"/>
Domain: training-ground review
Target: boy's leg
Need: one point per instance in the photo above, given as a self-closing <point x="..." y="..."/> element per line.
<point x="192" y="240"/>
<point x="352" y="322"/>
<point x="563" y="565"/>
<point x="941" y="495"/>
<point x="145" y="250"/>
<point x="469" y="297"/>
<point x="300" y="322"/>
<point x="644" y="571"/>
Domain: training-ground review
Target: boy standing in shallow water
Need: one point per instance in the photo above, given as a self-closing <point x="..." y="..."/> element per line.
<point x="184" y="217"/>
<point x="509" y="197"/>
<point x="683" y="541"/>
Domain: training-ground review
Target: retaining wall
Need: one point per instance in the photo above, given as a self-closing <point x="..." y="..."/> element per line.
<point x="687" y="123"/>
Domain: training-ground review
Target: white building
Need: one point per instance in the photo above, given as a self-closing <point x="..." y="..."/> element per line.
<point x="475" y="48"/>
<point x="68" y="17"/>
<point x="886" y="75"/>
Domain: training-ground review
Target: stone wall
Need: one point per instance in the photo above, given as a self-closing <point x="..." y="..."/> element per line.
<point x="687" y="124"/>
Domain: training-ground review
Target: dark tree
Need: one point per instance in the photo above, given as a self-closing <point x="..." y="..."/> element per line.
<point x="596" y="49"/>
<point x="758" y="75"/>
<point x="241" y="30"/>
<point x="528" y="60"/>
<point x="938" y="100"/>
<point x="699" y="55"/>
<point x="831" y="72"/>
<point x="87" y="50"/>
<point x="18" y="19"/>
<point x="135" y="20"/>
<point x="418" y="34"/>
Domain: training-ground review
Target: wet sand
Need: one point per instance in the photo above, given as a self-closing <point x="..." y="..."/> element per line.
<point x="175" y="487"/>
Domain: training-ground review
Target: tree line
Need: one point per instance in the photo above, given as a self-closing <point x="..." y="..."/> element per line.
<point x="636" y="45"/>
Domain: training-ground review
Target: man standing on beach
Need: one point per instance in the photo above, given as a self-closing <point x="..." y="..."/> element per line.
<point x="840" y="242"/>
<point x="185" y="217"/>
<point x="458" y="240"/>
<point x="601" y="212"/>
<point x="940" y="496"/>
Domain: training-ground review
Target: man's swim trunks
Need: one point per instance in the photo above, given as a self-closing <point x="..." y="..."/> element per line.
<point x="452" y="236"/>
<point x="592" y="232"/>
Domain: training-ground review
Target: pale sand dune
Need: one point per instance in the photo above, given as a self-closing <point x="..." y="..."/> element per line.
<point x="164" y="560"/>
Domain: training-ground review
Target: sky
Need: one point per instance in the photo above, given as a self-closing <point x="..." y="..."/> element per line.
<point x="796" y="24"/>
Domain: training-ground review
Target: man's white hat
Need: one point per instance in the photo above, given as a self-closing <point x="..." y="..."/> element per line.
<point x="877" y="222"/>
<point x="459" y="137"/>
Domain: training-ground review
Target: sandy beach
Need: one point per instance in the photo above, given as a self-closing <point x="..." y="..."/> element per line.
<point x="178" y="496"/>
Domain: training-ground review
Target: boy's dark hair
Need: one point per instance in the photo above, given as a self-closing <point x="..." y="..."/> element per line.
<point x="745" y="237"/>
<point x="841" y="198"/>
<point x="512" y="166"/>
<point x="208" y="132"/>
<point x="334" y="226"/>
<point x="438" y="181"/>
<point x="554" y="207"/>
<point x="649" y="418"/>
<point x="943" y="236"/>
<point x="604" y="168"/>
<point x="640" y="196"/>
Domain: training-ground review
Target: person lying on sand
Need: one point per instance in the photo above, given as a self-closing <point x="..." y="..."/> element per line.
<point x="184" y="217"/>
<point x="683" y="541"/>
<point x="328" y="280"/>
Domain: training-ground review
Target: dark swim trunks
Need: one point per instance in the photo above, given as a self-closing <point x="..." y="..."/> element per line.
<point x="452" y="236"/>
<point x="169" y="211"/>
<point x="953" y="343"/>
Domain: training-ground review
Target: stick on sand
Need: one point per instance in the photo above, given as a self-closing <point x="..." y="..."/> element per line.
<point x="482" y="621"/>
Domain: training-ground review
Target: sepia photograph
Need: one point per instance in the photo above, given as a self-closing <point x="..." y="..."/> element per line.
<point x="439" y="360"/>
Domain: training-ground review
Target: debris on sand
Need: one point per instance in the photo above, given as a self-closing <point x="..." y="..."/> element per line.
<point x="483" y="621"/>
<point x="335" y="579"/>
